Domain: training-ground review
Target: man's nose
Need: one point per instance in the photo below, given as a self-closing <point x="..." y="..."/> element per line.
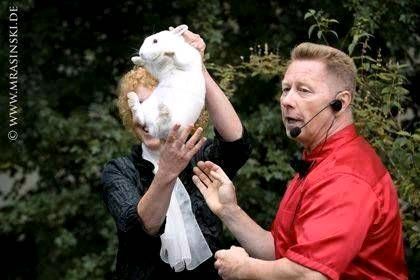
<point x="288" y="100"/>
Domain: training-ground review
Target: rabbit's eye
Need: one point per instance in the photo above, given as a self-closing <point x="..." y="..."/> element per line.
<point x="154" y="41"/>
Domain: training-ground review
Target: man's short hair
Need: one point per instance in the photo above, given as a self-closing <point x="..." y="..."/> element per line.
<point x="336" y="61"/>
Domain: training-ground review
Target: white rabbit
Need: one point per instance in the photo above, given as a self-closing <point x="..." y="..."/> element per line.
<point x="180" y="93"/>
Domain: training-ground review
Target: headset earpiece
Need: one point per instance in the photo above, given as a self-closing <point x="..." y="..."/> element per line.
<point x="336" y="105"/>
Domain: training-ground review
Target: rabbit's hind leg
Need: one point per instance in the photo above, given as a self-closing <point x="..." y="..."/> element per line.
<point x="136" y="108"/>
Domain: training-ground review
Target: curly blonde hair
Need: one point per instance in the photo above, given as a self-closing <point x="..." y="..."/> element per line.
<point x="130" y="81"/>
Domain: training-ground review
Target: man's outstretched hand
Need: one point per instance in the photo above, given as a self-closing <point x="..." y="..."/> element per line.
<point x="215" y="186"/>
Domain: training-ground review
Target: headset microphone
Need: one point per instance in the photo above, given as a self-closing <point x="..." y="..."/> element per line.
<point x="336" y="107"/>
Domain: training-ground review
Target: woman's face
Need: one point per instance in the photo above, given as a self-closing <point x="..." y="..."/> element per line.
<point x="152" y="143"/>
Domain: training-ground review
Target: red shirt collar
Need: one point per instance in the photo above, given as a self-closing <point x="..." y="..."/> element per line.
<point x="332" y="143"/>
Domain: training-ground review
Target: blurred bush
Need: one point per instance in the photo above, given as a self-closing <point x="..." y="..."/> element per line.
<point x="72" y="53"/>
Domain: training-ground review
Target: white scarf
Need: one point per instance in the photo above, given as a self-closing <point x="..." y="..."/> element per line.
<point x="179" y="249"/>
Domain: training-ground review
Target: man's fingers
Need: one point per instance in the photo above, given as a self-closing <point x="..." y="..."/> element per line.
<point x="214" y="167"/>
<point x="201" y="164"/>
<point x="216" y="176"/>
<point x="202" y="176"/>
<point x="213" y="171"/>
<point x="219" y="254"/>
<point x="201" y="187"/>
<point x="211" y="165"/>
<point x="223" y="175"/>
<point x="203" y="167"/>
<point x="198" y="171"/>
<point x="217" y="264"/>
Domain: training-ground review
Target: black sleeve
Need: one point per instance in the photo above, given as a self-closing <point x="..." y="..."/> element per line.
<point x="230" y="156"/>
<point x="121" y="195"/>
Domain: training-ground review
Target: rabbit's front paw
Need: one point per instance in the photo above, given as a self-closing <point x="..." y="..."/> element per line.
<point x="132" y="99"/>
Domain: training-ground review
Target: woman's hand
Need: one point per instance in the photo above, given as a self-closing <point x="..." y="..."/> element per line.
<point x="195" y="40"/>
<point x="215" y="186"/>
<point x="176" y="153"/>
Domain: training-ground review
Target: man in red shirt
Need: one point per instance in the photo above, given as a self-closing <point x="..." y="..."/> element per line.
<point x="339" y="218"/>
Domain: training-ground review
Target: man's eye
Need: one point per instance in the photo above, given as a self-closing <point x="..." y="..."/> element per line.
<point x="286" y="89"/>
<point x="304" y="90"/>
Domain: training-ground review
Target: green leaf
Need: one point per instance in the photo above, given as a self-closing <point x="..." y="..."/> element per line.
<point x="351" y="47"/>
<point x="334" y="33"/>
<point x="319" y="34"/>
<point x="416" y="137"/>
<point x="309" y="14"/>
<point x="385" y="76"/>
<point x="311" y="29"/>
<point x="404" y="133"/>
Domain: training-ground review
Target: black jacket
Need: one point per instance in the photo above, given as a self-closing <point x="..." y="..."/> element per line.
<point x="126" y="179"/>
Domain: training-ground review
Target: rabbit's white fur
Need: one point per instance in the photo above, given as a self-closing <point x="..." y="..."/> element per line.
<point x="180" y="94"/>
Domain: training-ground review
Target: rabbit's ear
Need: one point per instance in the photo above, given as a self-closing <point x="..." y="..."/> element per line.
<point x="178" y="30"/>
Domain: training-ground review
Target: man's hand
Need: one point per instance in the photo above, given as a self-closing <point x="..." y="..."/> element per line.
<point x="232" y="264"/>
<point x="176" y="153"/>
<point x="215" y="186"/>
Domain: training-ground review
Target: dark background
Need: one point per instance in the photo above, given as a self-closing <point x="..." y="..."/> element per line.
<point x="71" y="55"/>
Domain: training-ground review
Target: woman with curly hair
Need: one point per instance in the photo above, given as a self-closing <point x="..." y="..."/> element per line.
<point x="138" y="194"/>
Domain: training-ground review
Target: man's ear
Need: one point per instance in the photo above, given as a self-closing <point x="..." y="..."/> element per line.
<point x="346" y="98"/>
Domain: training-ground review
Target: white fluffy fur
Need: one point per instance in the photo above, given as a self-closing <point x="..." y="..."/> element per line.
<point x="180" y="94"/>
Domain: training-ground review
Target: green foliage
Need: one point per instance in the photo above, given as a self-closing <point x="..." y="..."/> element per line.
<point x="394" y="21"/>
<point x="322" y="23"/>
<point x="72" y="54"/>
<point x="64" y="212"/>
<point x="381" y="98"/>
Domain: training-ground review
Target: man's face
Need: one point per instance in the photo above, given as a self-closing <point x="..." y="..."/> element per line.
<point x="307" y="87"/>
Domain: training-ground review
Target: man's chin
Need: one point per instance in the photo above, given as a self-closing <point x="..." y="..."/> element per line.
<point x="288" y="128"/>
<point x="288" y="134"/>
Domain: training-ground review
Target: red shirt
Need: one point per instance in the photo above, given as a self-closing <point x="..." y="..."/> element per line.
<point x="342" y="219"/>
